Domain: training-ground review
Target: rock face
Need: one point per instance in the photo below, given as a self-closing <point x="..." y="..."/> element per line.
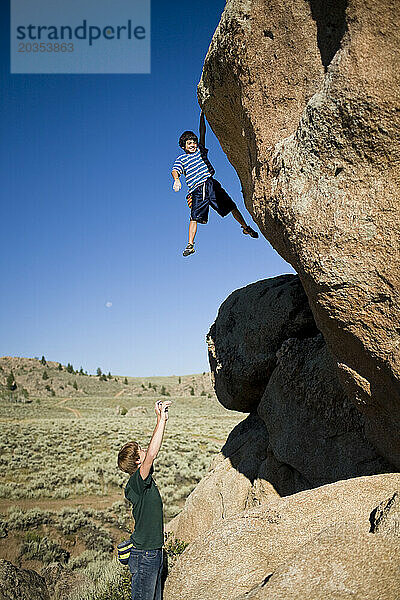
<point x="340" y="563"/>
<point x="313" y="434"/>
<point x="242" y="350"/>
<point x="303" y="97"/>
<point x="311" y="424"/>
<point x="21" y="584"/>
<point x="235" y="483"/>
<point x="262" y="548"/>
<point x="62" y="582"/>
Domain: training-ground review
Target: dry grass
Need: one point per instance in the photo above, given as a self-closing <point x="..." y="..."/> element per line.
<point x="58" y="455"/>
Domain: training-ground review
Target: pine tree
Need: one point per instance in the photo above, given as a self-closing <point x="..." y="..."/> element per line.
<point x="179" y="379"/>
<point x="45" y="376"/>
<point x="59" y="367"/>
<point x="43" y="360"/>
<point x="98" y="371"/>
<point x="125" y="381"/>
<point x="11" y="383"/>
<point x="75" y="385"/>
<point x="70" y="368"/>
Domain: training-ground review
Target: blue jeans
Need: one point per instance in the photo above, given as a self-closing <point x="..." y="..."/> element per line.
<point x="146" y="568"/>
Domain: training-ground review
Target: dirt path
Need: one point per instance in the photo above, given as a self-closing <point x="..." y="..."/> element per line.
<point x="75" y="411"/>
<point x="97" y="502"/>
<point x="118" y="394"/>
<point x="62" y="401"/>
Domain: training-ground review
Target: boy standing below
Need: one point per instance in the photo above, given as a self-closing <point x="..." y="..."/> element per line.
<point x="146" y="559"/>
<point x="204" y="190"/>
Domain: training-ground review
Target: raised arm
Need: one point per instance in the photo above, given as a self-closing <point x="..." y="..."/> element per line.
<point x="202" y="129"/>
<point x="161" y="410"/>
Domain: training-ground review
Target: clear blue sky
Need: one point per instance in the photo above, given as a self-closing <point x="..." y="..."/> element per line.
<point x="89" y="215"/>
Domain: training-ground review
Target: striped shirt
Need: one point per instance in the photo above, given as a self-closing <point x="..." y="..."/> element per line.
<point x="195" y="167"/>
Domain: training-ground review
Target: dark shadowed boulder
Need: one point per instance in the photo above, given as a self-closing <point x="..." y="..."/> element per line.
<point x="251" y="326"/>
<point x="21" y="584"/>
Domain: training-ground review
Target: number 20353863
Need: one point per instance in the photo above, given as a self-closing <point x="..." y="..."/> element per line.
<point x="45" y="47"/>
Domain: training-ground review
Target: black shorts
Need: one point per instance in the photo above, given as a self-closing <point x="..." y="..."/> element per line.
<point x="210" y="193"/>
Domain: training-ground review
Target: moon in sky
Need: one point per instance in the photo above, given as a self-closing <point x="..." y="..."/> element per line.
<point x="108" y="304"/>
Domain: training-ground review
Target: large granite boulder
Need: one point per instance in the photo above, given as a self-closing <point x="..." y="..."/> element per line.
<point x="341" y="563"/>
<point x="303" y="96"/>
<point x="246" y="550"/>
<point x="250" y="327"/>
<point x="21" y="584"/>
<point x="235" y="482"/>
<point x="311" y="424"/>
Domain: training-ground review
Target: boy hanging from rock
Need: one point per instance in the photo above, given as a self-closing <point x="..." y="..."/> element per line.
<point x="204" y="191"/>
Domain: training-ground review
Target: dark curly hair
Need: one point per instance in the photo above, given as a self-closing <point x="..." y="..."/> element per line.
<point x="187" y="135"/>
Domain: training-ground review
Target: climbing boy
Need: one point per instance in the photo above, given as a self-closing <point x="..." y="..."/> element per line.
<point x="145" y="559"/>
<point x="204" y="191"/>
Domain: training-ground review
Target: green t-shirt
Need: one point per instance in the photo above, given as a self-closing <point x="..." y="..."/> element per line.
<point x="147" y="511"/>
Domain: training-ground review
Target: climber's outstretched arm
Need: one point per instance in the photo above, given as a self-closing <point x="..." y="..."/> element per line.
<point x="161" y="409"/>
<point x="202" y="129"/>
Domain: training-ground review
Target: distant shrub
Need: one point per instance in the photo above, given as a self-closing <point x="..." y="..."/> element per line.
<point x="36" y="547"/>
<point x="111" y="581"/>
<point x="11" y="383"/>
<point x="174" y="546"/>
<point x="192" y="391"/>
<point x="75" y="385"/>
<point x="125" y="381"/>
<point x="21" y="520"/>
<point x="203" y="393"/>
<point x="45" y="375"/>
<point x="164" y="392"/>
<point x="86" y="558"/>
<point x="43" y="361"/>
<point x="97" y="538"/>
<point x="59" y="367"/>
<point x="124" y="410"/>
<point x="3" y="528"/>
<point x="179" y="379"/>
<point x="70" y="368"/>
<point x="98" y="372"/>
